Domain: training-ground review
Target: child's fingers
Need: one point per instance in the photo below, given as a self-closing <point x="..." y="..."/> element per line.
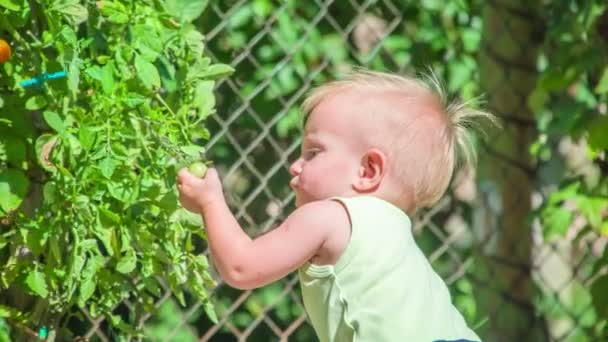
<point x="186" y="180"/>
<point x="212" y="174"/>
<point x="190" y="184"/>
<point x="183" y="175"/>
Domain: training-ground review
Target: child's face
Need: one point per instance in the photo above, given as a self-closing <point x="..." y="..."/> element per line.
<point x="331" y="154"/>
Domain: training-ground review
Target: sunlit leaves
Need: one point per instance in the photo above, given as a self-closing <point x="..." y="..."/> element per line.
<point x="186" y="10"/>
<point x="14" y="185"/>
<point x="35" y="102"/>
<point x="114" y="11"/>
<point x="54" y="121"/>
<point x="568" y="202"/>
<point x="105" y="143"/>
<point x="147" y="73"/>
<point x="127" y="262"/>
<point x="71" y="10"/>
<point x="12" y="5"/>
<point x="36" y="281"/>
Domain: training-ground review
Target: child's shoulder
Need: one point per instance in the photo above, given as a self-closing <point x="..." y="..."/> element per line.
<point x="322" y="212"/>
<point x="370" y="205"/>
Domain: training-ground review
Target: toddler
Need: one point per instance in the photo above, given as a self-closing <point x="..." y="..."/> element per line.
<point x="376" y="147"/>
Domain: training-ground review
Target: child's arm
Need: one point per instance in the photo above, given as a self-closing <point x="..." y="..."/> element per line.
<point x="245" y="263"/>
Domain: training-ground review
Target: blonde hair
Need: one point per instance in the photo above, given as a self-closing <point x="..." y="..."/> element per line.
<point x="454" y="139"/>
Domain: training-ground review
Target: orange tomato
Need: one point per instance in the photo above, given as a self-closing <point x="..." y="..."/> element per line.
<point x="5" y="51"/>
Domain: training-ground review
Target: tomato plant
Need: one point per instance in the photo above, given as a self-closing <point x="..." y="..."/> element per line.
<point x="100" y="105"/>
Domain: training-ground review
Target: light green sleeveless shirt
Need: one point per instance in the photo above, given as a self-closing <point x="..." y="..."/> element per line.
<point x="382" y="288"/>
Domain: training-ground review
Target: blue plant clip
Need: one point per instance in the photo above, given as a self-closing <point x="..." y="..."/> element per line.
<point x="43" y="332"/>
<point x="38" y="80"/>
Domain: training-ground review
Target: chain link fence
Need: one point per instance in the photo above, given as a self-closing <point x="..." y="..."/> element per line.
<point x="510" y="283"/>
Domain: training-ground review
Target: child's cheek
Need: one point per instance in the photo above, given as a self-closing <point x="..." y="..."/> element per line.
<point x="317" y="175"/>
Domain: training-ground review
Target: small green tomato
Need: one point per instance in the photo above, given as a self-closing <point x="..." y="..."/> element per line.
<point x="198" y="169"/>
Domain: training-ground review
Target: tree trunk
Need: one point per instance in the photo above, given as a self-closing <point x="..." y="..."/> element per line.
<point x="503" y="269"/>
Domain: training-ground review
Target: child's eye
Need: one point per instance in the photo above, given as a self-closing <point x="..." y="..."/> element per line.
<point x="309" y="154"/>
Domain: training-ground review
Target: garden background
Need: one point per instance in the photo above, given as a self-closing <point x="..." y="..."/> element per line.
<point x="93" y="244"/>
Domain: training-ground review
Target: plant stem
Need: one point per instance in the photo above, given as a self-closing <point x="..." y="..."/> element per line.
<point x="28" y="332"/>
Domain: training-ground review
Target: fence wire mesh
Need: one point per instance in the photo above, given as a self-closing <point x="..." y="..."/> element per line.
<point x="508" y="281"/>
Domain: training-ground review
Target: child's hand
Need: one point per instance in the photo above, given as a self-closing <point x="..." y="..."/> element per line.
<point x="196" y="193"/>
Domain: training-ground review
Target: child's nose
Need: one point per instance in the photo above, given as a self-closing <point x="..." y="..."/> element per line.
<point x="296" y="167"/>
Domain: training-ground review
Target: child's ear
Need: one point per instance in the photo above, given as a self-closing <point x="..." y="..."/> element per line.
<point x="371" y="171"/>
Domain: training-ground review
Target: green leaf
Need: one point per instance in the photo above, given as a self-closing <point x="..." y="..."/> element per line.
<point x="107" y="78"/>
<point x="10" y="5"/>
<point x="557" y="220"/>
<point x="201" y="261"/>
<point x="44" y="146"/>
<point x="169" y="201"/>
<point x="194" y="151"/>
<point x="87" y="288"/>
<point x="604" y="228"/>
<point x="460" y="72"/>
<point x="12" y="148"/>
<point x="471" y="39"/>
<point x="14" y="185"/>
<point x="35" y="103"/>
<point x="109" y="215"/>
<point x="116" y="12"/>
<point x="599" y="293"/>
<point x="107" y="167"/>
<point x="94" y="72"/>
<point x="117" y="322"/>
<point x="195" y="41"/>
<point x="204" y="99"/>
<point x="187" y="218"/>
<point x="87" y="137"/>
<point x="147" y="73"/>
<point x="125" y="192"/>
<point x="147" y="42"/>
<point x="210" y="311"/>
<point x="54" y="121"/>
<point x="151" y="285"/>
<point x="602" y="85"/>
<point x="88" y="244"/>
<point x="537" y="99"/>
<point x="216" y="71"/>
<point x="598" y="139"/>
<point x="555" y="79"/>
<point x="105" y="235"/>
<point x="186" y="10"/>
<point x="55" y="250"/>
<point x="197" y="284"/>
<point x="68" y="34"/>
<point x="71" y="10"/>
<point x="176" y="290"/>
<point x="76" y="264"/>
<point x="133" y="100"/>
<point x="127" y="263"/>
<point x="74" y="75"/>
<point x="593" y="209"/>
<point x="36" y="281"/>
<point x="88" y="284"/>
